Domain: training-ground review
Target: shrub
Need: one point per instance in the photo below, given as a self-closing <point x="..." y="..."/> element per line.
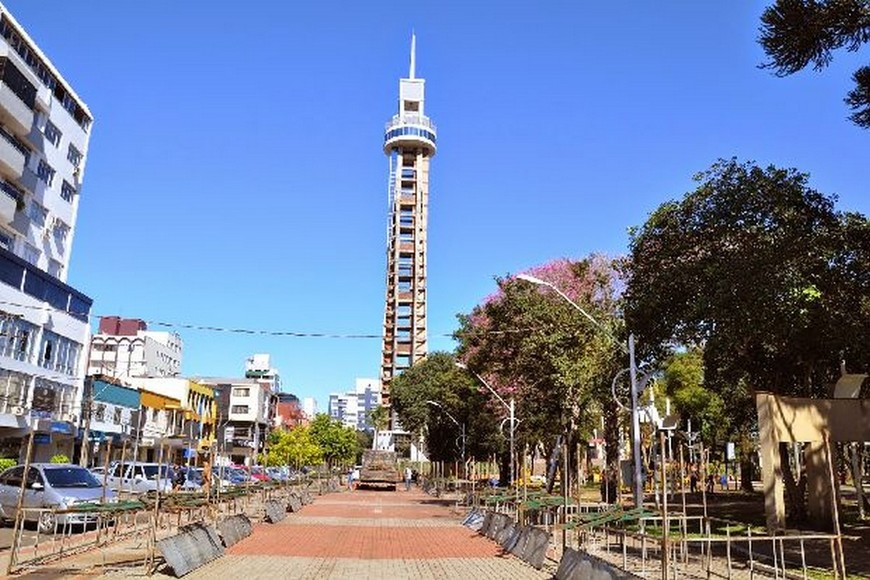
<point x="59" y="458"/>
<point x="6" y="463"/>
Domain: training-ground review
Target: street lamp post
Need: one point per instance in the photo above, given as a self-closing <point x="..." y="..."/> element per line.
<point x="461" y="431"/>
<point x="511" y="407"/>
<point x="636" y="387"/>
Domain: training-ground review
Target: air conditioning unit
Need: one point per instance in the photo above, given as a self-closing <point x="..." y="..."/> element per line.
<point x="46" y="234"/>
<point x="18" y="410"/>
<point x="69" y="417"/>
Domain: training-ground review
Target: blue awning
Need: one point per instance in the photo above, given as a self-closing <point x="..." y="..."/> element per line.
<point x="62" y="427"/>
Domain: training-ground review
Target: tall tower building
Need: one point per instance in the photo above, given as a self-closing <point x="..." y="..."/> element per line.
<point x="409" y="142"/>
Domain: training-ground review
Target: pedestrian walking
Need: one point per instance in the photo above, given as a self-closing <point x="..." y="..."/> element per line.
<point x="408" y="475"/>
<point x="693" y="480"/>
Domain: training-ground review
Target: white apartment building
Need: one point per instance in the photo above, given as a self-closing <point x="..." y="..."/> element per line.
<point x="44" y="133"/>
<point x="125" y="348"/>
<point x="309" y="407"/>
<point x="353" y="407"/>
<point x="244" y="408"/>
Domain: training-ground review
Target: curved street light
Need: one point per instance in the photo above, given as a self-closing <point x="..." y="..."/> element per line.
<point x="636" y="387"/>
<point x="511" y="412"/>
<point x="461" y="429"/>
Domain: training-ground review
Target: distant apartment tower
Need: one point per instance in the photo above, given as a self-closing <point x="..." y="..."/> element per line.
<point x="259" y="367"/>
<point x="309" y="407"/>
<point x="409" y="142"/>
<point x="44" y="133"/>
<point x="124" y="348"/>
<point x="353" y="408"/>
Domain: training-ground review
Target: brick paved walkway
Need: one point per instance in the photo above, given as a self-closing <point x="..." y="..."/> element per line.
<point x="368" y="534"/>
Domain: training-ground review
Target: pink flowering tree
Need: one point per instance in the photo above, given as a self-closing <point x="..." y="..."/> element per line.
<point x="532" y="345"/>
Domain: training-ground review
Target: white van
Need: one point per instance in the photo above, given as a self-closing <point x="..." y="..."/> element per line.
<point x="135" y="477"/>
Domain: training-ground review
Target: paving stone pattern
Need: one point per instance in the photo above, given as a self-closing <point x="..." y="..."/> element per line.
<point x="368" y="535"/>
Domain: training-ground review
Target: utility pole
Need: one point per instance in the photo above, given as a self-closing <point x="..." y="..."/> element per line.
<point x="87" y="405"/>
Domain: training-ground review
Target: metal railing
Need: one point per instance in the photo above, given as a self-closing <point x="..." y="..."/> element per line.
<point x="146" y="518"/>
<point x="418" y="120"/>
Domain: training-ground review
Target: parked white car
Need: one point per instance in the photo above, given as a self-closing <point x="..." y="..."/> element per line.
<point x="51" y="485"/>
<point x="139" y="477"/>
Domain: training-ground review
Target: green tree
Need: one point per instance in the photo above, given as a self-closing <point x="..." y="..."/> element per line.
<point x="797" y="33"/>
<point x="684" y="384"/>
<point x="532" y="345"/>
<point x="293" y="447"/>
<point x="379" y="420"/>
<point x="437" y="378"/>
<point x="762" y="272"/>
<point x="337" y="443"/>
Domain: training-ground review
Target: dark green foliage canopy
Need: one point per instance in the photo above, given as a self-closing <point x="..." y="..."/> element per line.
<point x="797" y="33"/>
<point x="457" y="393"/>
<point x="764" y="273"/>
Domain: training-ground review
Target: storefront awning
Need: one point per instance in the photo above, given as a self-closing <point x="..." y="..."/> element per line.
<point x="12" y="421"/>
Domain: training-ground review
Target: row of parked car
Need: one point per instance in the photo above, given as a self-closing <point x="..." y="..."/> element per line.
<point x="63" y="486"/>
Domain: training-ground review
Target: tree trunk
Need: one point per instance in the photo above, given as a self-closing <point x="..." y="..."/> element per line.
<point x="858" y="476"/>
<point x="795" y="492"/>
<point x="747" y="465"/>
<point x="611" y="435"/>
<point x="553" y="464"/>
<point x="504" y="469"/>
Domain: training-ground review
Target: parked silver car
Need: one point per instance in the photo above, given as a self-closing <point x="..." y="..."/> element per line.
<point x="51" y="485"/>
<point x="136" y="477"/>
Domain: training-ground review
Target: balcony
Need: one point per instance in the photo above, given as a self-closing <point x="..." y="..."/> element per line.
<point x="12" y="157"/>
<point x="14" y="112"/>
<point x="418" y="120"/>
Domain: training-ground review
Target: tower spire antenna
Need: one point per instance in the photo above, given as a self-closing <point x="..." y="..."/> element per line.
<point x="413" y="55"/>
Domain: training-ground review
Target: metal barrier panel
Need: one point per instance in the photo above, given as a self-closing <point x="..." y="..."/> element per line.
<point x="535" y="550"/>
<point x="487" y="521"/>
<point x="194" y="546"/>
<point x="235" y="528"/>
<point x="294" y="504"/>
<point x="499" y="521"/>
<point x="275" y="511"/>
<point x="519" y="547"/>
<point x="505" y="533"/>
<point x="512" y="538"/>
<point x="577" y="565"/>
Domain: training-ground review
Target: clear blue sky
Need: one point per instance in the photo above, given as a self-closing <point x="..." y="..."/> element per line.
<point x="236" y="179"/>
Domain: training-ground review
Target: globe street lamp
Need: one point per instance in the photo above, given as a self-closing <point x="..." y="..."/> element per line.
<point x="510" y="407"/>
<point x="461" y="430"/>
<point x="636" y="387"/>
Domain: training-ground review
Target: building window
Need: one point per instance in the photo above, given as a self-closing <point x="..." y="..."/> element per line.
<point x="241" y="392"/>
<point x="55" y="268"/>
<point x="15" y="338"/>
<point x="116" y="419"/>
<point x="74" y="155"/>
<point x="60" y="229"/>
<point x="52" y="133"/>
<point x="99" y="412"/>
<point x="31" y="254"/>
<point x="7" y="240"/>
<point x="67" y="191"/>
<point x="45" y="172"/>
<point x="240" y="409"/>
<point x="37" y="214"/>
<point x="59" y="353"/>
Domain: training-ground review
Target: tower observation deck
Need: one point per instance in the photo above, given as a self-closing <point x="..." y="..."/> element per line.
<point x="409" y="143"/>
